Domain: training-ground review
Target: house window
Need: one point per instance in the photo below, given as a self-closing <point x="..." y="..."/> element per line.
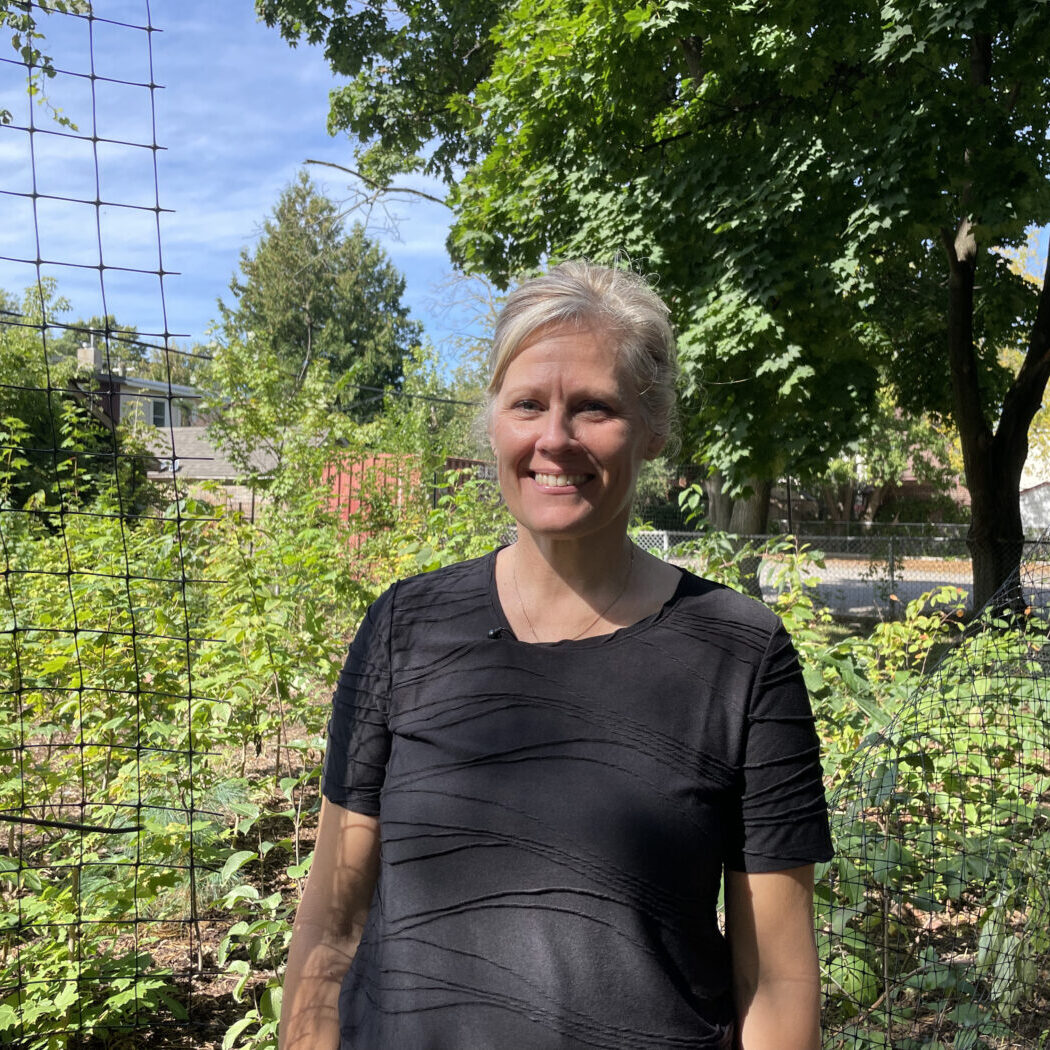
<point x="160" y="413"/>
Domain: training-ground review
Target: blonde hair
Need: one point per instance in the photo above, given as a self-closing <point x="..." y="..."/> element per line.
<point x="599" y="299"/>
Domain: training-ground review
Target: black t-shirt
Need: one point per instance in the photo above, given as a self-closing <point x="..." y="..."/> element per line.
<point x="555" y="817"/>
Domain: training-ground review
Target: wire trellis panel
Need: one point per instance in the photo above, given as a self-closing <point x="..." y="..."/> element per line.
<point x="107" y="820"/>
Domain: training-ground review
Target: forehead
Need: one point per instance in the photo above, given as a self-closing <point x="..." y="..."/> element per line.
<point x="568" y="354"/>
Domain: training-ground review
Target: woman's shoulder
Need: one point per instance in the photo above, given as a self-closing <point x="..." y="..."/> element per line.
<point x="424" y="616"/>
<point x="701" y="592"/>
<point x="474" y="572"/>
<point x="439" y="593"/>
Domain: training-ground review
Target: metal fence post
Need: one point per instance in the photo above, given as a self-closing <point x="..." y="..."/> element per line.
<point x="893" y="604"/>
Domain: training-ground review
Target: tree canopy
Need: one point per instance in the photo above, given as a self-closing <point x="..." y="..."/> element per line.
<point x="315" y="296"/>
<point x="817" y="187"/>
<point x="316" y="334"/>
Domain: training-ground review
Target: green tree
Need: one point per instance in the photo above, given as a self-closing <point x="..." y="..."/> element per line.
<point x="893" y="445"/>
<point x="280" y="436"/>
<point x="807" y="180"/>
<point x="28" y="401"/>
<point x="58" y="448"/>
<point x="557" y="160"/>
<point x="315" y="297"/>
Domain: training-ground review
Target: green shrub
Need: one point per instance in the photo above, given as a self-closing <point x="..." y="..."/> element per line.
<point x="171" y="675"/>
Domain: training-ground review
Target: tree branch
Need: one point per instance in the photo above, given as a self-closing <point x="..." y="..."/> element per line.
<point x="379" y="186"/>
<point x="948" y="244"/>
<point x="692" y="49"/>
<point x="1025" y="395"/>
<point x="960" y="248"/>
<point x="980" y="60"/>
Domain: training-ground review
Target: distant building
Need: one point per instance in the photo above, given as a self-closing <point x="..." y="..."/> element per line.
<point x="1035" y="508"/>
<point x="126" y="398"/>
<point x="188" y="461"/>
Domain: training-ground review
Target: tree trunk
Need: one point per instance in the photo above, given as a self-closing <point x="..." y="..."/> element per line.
<point x="996" y="536"/>
<point x="719" y="505"/>
<point x="838" y="501"/>
<point x="992" y="461"/>
<point x="750" y="517"/>
<point x="874" y="502"/>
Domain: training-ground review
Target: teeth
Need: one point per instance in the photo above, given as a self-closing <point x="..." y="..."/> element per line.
<point x="560" y="480"/>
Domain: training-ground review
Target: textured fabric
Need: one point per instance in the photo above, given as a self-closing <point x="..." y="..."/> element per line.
<point x="555" y="818"/>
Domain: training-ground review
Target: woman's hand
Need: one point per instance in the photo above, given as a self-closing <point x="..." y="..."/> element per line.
<point x="328" y="927"/>
<point x="776" y="975"/>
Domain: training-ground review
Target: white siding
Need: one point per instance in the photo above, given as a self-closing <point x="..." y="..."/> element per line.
<point x="1035" y="507"/>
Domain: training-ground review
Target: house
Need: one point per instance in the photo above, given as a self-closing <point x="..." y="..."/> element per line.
<point x="126" y="398"/>
<point x="187" y="460"/>
<point x="1035" y="485"/>
<point x="1035" y="508"/>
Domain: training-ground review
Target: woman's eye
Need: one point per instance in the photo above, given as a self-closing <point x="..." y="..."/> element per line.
<point x="595" y="407"/>
<point x="526" y="405"/>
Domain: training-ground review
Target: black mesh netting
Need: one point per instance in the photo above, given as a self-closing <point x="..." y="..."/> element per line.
<point x="933" y="920"/>
<point x="108" y="816"/>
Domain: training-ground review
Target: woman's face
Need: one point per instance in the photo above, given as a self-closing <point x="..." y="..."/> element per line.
<point x="567" y="430"/>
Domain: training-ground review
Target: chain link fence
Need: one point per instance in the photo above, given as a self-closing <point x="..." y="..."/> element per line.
<point x="865" y="574"/>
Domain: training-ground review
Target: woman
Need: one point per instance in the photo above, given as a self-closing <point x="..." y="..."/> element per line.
<point x="565" y="744"/>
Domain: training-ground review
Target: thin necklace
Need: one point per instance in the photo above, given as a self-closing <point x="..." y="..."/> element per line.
<point x="605" y="611"/>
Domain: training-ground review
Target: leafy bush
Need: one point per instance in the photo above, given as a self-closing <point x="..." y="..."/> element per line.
<point x="142" y="656"/>
<point x="934" y="916"/>
<point x="169" y="682"/>
<point x="934" y="913"/>
<point x="468" y="520"/>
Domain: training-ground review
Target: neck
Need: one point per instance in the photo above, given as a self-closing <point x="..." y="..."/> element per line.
<point x="586" y="566"/>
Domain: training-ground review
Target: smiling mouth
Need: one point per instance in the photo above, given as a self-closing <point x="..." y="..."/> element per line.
<point x="558" y="481"/>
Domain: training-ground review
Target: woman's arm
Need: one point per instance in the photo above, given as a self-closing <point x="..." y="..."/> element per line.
<point x="776" y="975"/>
<point x="328" y="926"/>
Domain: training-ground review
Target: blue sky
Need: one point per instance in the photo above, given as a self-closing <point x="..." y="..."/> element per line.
<point x="239" y="114"/>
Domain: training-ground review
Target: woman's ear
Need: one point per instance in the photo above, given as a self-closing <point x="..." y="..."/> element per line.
<point x="655" y="446"/>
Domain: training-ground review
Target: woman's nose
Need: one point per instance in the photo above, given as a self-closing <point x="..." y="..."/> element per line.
<point x="557" y="430"/>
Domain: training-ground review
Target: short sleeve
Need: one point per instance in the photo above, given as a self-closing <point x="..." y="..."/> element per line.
<point x="783" y="813"/>
<point x="358" y="731"/>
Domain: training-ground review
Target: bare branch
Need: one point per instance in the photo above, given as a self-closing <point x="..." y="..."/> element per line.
<point x="376" y="185"/>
